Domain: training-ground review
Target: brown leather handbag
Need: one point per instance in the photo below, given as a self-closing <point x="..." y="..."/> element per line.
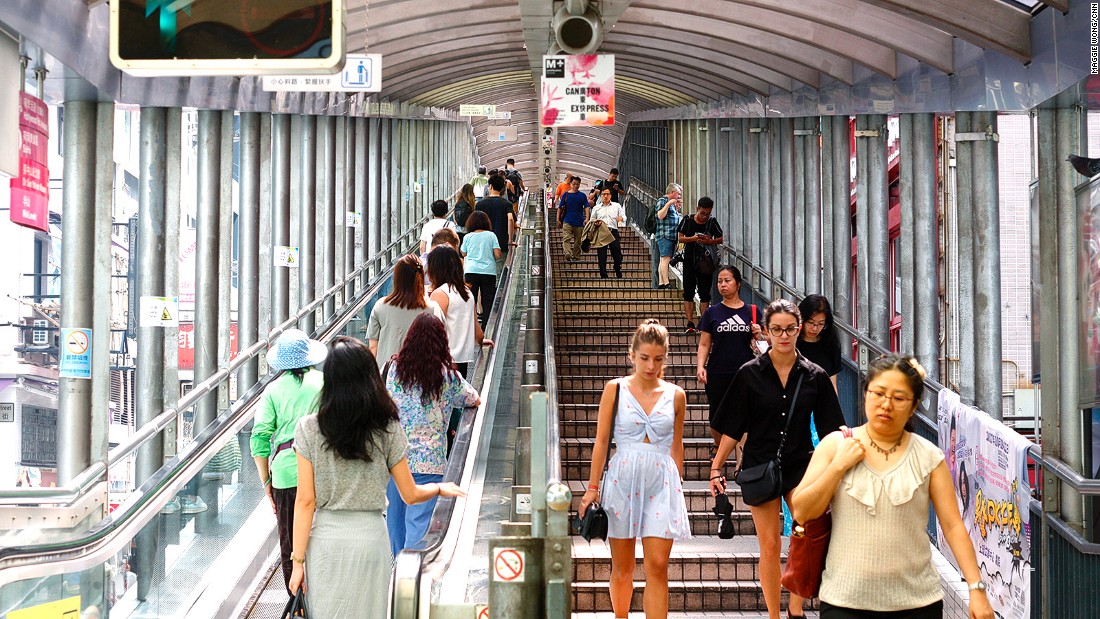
<point x="807" y="552"/>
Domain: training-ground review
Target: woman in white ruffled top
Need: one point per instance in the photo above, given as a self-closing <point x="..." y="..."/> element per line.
<point x="879" y="483"/>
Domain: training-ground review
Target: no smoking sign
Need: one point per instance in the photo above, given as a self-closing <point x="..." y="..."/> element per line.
<point x="508" y="565"/>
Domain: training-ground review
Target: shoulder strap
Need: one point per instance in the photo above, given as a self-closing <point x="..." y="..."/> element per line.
<point x="753" y="306"/>
<point x="790" y="414"/>
<point x="611" y="434"/>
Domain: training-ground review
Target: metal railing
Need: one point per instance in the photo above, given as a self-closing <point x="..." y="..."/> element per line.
<point x="438" y="544"/>
<point x="82" y="550"/>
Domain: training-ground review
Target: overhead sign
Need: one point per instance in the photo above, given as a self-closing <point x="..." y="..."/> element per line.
<point x="30" y="190"/>
<point x="159" y="312"/>
<point x="499" y="116"/>
<point x="503" y="134"/>
<point x="184" y="37"/>
<point x="476" y="110"/>
<point x="578" y="90"/>
<point x="76" y="353"/>
<point x="362" y="73"/>
<point x="988" y="466"/>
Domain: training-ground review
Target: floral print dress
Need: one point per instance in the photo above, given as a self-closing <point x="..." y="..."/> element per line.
<point x="425" y="424"/>
<point x="642" y="492"/>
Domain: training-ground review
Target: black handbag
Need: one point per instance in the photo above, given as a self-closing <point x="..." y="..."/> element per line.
<point x="594" y="523"/>
<point x="295" y="607"/>
<point x="764" y="482"/>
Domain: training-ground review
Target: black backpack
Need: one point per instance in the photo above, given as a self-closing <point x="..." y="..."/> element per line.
<point x="650" y="223"/>
<point x="513" y="176"/>
<point x="462" y="212"/>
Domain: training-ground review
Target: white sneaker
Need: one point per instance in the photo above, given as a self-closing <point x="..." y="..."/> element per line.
<point x="192" y="505"/>
<point x="171" y="507"/>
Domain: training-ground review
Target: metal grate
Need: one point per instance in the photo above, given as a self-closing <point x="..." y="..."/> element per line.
<point x="39" y="437"/>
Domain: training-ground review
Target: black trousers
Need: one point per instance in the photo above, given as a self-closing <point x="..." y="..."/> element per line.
<point x="483" y="287"/>
<point x="932" y="611"/>
<point x="616" y="255"/>
<point x="693" y="281"/>
<point x="284" y="517"/>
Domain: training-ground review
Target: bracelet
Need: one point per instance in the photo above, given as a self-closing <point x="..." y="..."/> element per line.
<point x="713" y="477"/>
<point x="438" y="489"/>
<point x="268" y="482"/>
<point x="295" y="558"/>
<point x="594" y="487"/>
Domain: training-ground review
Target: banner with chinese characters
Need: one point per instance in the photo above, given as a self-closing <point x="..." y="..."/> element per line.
<point x="30" y="191"/>
<point x="578" y="90"/>
<point x="988" y="466"/>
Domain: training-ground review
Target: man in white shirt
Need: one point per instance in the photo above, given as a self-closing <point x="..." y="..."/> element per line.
<point x="609" y="214"/>
<point x="438" y="222"/>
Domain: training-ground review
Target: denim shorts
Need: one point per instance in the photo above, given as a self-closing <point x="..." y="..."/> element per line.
<point x="665" y="247"/>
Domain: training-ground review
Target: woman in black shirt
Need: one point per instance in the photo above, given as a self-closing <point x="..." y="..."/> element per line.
<point x="818" y="340"/>
<point x="758" y="403"/>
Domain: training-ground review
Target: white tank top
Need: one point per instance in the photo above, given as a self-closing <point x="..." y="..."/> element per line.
<point x="460" y="325"/>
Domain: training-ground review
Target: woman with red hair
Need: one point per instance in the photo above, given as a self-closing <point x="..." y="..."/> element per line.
<point x="425" y="385"/>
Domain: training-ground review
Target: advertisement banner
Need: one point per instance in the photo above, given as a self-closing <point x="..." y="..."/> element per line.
<point x="186" y="342"/>
<point x="578" y="90"/>
<point x="30" y="190"/>
<point x="988" y="466"/>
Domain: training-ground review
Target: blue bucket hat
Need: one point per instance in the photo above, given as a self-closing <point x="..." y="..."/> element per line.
<point x="295" y="350"/>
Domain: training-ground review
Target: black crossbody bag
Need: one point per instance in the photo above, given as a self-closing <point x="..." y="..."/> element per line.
<point x="594" y="523"/>
<point x="764" y="482"/>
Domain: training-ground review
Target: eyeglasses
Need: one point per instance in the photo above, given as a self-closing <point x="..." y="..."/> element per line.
<point x="816" y="325"/>
<point x="777" y="331"/>
<point x="896" y="401"/>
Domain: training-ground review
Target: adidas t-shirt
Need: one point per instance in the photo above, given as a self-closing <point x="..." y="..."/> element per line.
<point x="730" y="336"/>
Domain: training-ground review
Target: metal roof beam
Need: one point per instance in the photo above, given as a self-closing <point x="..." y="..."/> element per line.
<point x="986" y="23"/>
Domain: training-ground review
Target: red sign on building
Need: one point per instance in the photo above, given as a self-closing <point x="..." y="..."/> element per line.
<point x="186" y="339"/>
<point x="30" y="191"/>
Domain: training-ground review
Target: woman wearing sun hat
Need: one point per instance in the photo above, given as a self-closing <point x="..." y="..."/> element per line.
<point x="287" y="399"/>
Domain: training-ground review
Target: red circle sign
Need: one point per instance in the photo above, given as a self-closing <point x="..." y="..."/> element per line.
<point x="508" y="565"/>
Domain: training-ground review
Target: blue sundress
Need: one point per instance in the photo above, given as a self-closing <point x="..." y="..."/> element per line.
<point x="642" y="493"/>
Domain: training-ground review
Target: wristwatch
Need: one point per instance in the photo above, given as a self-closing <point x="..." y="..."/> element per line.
<point x="978" y="586"/>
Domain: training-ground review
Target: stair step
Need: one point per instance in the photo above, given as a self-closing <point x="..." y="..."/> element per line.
<point x="581" y="448"/>
<point x="683" y="596"/>
<point x="694" y="470"/>
<point x="698" y="429"/>
<point x="696" y="495"/>
<point x="592" y="396"/>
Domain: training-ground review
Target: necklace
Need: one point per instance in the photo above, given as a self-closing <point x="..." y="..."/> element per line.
<point x="885" y="452"/>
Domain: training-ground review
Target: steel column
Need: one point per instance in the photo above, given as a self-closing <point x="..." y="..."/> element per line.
<point x="102" y="281"/>
<point x="862" y="247"/>
<point x="362" y="198"/>
<point x="750" y="173"/>
<point x="926" y="297"/>
<point x="373" y="213"/>
<point x="225" y="250"/>
<point x="343" y="188"/>
<point x="1072" y="139"/>
<point x="207" y="246"/>
<point x="825" y="191"/>
<point x="964" y="305"/>
<point x="987" y="269"/>
<point x="248" y="255"/>
<point x="841" y="190"/>
<point x="772" y="235"/>
<point x="904" y="268"/>
<point x="307" y="220"/>
<point x="266" y="260"/>
<point x="150" y="282"/>
<point x="1050" y="163"/>
<point x="173" y="167"/>
<point x="813" y="207"/>
<point x="386" y="170"/>
<point x="880" y="288"/>
<point x="326" y="191"/>
<point x="280" y="213"/>
<point x="797" y="253"/>
<point x="77" y="276"/>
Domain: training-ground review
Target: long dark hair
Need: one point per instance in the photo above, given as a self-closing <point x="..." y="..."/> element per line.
<point x="424" y="360"/>
<point x="817" y="304"/>
<point x="445" y="267"/>
<point x="408" y="284"/>
<point x="355" y="409"/>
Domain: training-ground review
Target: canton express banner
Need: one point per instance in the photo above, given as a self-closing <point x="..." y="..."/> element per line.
<point x="988" y="466"/>
<point x="578" y="90"/>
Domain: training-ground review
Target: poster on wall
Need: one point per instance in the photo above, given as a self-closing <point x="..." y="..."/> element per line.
<point x="578" y="90"/>
<point x="988" y="466"/>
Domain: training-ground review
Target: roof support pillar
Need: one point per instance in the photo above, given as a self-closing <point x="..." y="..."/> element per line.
<point x="987" y="268"/>
<point x="280" y="213"/>
<point x="841" y="189"/>
<point x="797" y="251"/>
<point x="964" y="218"/>
<point x="925" y="239"/>
<point x="307" y="220"/>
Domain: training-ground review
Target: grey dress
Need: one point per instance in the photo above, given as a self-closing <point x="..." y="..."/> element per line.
<point x="348" y="558"/>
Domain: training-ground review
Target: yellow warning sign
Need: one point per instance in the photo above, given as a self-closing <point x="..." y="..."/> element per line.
<point x="159" y="311"/>
<point x="69" y="608"/>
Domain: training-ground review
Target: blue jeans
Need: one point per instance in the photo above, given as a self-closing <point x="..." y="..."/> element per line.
<point x="665" y="246"/>
<point x="408" y="523"/>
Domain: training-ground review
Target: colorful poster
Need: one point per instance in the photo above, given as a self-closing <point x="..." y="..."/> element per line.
<point x="578" y="90"/>
<point x="988" y="466"/>
<point x="30" y="191"/>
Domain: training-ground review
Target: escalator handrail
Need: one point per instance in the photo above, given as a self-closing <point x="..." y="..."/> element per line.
<point x="409" y="564"/>
<point x="108" y="536"/>
<point x="553" y="414"/>
<point x="69" y="493"/>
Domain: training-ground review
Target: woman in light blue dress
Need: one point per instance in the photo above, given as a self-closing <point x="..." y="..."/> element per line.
<point x="641" y="491"/>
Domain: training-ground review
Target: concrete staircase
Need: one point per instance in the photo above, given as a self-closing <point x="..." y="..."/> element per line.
<point x="593" y="321"/>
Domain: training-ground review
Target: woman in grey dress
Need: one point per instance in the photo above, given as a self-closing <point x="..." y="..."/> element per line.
<point x="347" y="453"/>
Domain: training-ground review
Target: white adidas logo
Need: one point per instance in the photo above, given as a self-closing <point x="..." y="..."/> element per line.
<point x="733" y="324"/>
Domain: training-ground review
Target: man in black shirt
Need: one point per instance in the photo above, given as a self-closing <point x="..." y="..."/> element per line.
<point x="613" y="183"/>
<point x="698" y="234"/>
<point x="499" y="210"/>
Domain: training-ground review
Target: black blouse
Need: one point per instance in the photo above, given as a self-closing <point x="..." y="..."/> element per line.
<point x="758" y="403"/>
